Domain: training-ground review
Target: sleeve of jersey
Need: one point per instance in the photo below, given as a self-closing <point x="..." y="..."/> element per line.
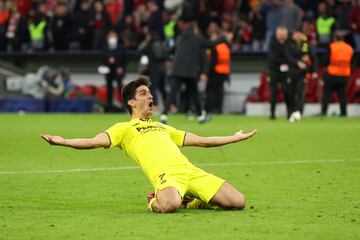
<point x="177" y="136"/>
<point x="115" y="134"/>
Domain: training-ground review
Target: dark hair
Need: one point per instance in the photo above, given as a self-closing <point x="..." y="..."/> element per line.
<point x="129" y="91"/>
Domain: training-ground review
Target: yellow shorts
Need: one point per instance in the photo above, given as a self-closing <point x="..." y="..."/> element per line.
<point x="190" y="182"/>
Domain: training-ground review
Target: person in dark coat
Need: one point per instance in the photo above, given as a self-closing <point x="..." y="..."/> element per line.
<point x="279" y="70"/>
<point x="114" y="58"/>
<point x="83" y="29"/>
<point x="60" y="26"/>
<point x="188" y="66"/>
<point x="101" y="24"/>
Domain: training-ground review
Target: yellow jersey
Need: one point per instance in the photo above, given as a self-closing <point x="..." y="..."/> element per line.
<point x="152" y="145"/>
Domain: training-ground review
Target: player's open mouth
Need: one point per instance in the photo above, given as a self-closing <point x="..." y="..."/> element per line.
<point x="151" y="104"/>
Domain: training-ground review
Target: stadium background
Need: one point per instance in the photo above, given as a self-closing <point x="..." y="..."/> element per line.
<point x="300" y="180"/>
<point x="248" y="61"/>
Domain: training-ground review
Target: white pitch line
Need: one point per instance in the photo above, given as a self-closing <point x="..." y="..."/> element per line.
<point x="224" y="164"/>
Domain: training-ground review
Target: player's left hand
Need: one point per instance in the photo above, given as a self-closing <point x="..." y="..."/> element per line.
<point x="53" y="140"/>
<point x="243" y="136"/>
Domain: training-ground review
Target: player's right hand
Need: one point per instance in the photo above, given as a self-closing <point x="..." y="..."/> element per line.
<point x="53" y="140"/>
<point x="243" y="136"/>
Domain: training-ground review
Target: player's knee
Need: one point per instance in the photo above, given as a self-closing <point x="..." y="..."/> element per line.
<point x="169" y="206"/>
<point x="239" y="202"/>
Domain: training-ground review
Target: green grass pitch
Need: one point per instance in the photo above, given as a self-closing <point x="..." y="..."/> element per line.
<point x="302" y="181"/>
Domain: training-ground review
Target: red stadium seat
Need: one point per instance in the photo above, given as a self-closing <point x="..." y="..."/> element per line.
<point x="101" y="93"/>
<point x="353" y="87"/>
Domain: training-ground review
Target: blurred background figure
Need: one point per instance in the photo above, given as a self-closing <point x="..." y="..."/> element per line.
<point x="83" y="26"/>
<point x="4" y="18"/>
<point x="60" y="27"/>
<point x="219" y="70"/>
<point x="101" y="24"/>
<point x="337" y="73"/>
<point x="38" y="25"/>
<point x="355" y="23"/>
<point x="257" y="22"/>
<point x="291" y="15"/>
<point x="113" y="66"/>
<point x="155" y="21"/>
<point x="301" y="61"/>
<point x="16" y="31"/>
<point x="279" y="70"/>
<point x="272" y="12"/>
<point x="53" y="83"/>
<point x="325" y="25"/>
<point x="189" y="64"/>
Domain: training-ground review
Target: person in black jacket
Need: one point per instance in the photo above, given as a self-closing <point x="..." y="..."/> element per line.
<point x="189" y="64"/>
<point x="60" y="26"/>
<point x="114" y="58"/>
<point x="279" y="69"/>
<point x="83" y="28"/>
<point x="301" y="61"/>
<point x="101" y="24"/>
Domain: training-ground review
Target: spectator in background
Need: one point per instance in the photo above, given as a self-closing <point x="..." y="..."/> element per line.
<point x="101" y="24"/>
<point x="188" y="66"/>
<point x="127" y="29"/>
<point x="272" y="12"/>
<point x="244" y="36"/>
<point x="331" y="7"/>
<point x="38" y="28"/>
<point x="4" y="18"/>
<point x="342" y="20"/>
<point x="301" y="61"/>
<point x="155" y="21"/>
<point x="309" y="7"/>
<point x="53" y="83"/>
<point x="226" y="30"/>
<point x="309" y="30"/>
<point x="355" y="23"/>
<point x="60" y="27"/>
<point x="170" y="27"/>
<point x="114" y="58"/>
<point x="83" y="28"/>
<point x="23" y="6"/>
<point x="16" y="32"/>
<point x="204" y="15"/>
<point x="325" y="25"/>
<point x="291" y="15"/>
<point x="50" y="6"/>
<point x="279" y="70"/>
<point x="115" y="9"/>
<point x="140" y="16"/>
<point x="337" y="72"/>
<point x="257" y="22"/>
<point x="219" y="70"/>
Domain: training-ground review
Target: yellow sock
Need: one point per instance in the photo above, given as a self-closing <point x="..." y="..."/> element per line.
<point x="196" y="203"/>
<point x="151" y="203"/>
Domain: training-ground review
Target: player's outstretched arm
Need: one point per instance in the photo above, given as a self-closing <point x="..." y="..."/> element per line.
<point x="194" y="140"/>
<point x="100" y="140"/>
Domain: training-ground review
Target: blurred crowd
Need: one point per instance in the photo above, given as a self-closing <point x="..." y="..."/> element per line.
<point x="51" y="25"/>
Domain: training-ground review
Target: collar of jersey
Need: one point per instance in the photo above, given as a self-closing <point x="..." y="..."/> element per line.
<point x="141" y="120"/>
